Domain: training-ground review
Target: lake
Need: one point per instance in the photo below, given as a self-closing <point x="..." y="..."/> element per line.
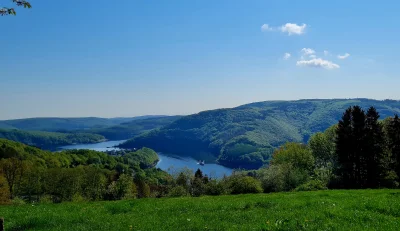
<point x="168" y="162"/>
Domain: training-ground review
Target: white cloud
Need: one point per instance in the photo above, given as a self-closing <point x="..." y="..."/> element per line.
<point x="345" y="56"/>
<point x="292" y="28"/>
<point x="265" y="27"/>
<point x="307" y="51"/>
<point x="318" y="63"/>
<point x="326" y="53"/>
<point x="313" y="56"/>
<point x="287" y="56"/>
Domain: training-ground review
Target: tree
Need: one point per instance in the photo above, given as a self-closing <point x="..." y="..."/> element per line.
<point x="393" y="133"/>
<point x="198" y="174"/>
<point x="359" y="146"/>
<point x="323" y="149"/>
<point x="11" y="11"/>
<point x="12" y="170"/>
<point x="374" y="148"/>
<point x="344" y="141"/>
<point x="294" y="154"/>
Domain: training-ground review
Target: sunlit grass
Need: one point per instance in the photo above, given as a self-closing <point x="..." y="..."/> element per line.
<point x="323" y="210"/>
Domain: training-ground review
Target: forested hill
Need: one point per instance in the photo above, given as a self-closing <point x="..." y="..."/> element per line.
<point x="49" y="140"/>
<point x="51" y="132"/>
<point x="60" y="124"/>
<point x="69" y="124"/>
<point x="133" y="128"/>
<point x="247" y="135"/>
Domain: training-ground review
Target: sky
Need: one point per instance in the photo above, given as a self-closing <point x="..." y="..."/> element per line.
<point x="138" y="57"/>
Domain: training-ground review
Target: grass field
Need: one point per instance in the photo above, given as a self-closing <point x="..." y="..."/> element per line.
<point x="322" y="210"/>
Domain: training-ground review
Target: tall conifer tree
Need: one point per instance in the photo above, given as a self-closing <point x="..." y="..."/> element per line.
<point x="344" y="148"/>
<point x="394" y="142"/>
<point x="374" y="147"/>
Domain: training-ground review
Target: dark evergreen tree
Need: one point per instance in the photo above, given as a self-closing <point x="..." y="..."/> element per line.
<point x="344" y="142"/>
<point x="198" y="174"/>
<point x="374" y="148"/>
<point x="393" y="132"/>
<point x="358" y="146"/>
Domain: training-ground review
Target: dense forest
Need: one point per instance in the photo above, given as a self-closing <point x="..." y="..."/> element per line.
<point x="246" y="136"/>
<point x="360" y="151"/>
<point x="49" y="140"/>
<point x="33" y="174"/>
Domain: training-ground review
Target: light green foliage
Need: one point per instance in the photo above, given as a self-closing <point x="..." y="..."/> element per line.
<point x="291" y="165"/>
<point x="178" y="191"/>
<point x="323" y="147"/>
<point x="297" y="155"/>
<point x="312" y="185"/>
<point x="243" y="185"/>
<point x="123" y="188"/>
<point x="321" y="210"/>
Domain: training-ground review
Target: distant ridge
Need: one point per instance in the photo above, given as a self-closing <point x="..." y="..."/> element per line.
<point x="245" y="136"/>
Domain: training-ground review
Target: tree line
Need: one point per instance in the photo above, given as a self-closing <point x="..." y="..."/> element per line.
<point x="360" y="151"/>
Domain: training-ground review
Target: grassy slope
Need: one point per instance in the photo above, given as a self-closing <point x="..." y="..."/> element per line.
<point x="322" y="210"/>
<point x="247" y="134"/>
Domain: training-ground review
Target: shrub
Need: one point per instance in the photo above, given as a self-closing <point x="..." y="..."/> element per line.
<point x="215" y="188"/>
<point x="244" y="184"/>
<point x="46" y="199"/>
<point x="18" y="201"/>
<point x="272" y="179"/>
<point x="282" y="177"/>
<point x="178" y="191"/>
<point x="313" y="185"/>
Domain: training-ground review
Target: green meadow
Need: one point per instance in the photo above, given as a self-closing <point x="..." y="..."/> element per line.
<point x="320" y="210"/>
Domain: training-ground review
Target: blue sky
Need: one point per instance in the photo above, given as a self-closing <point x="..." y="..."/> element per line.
<point x="130" y="57"/>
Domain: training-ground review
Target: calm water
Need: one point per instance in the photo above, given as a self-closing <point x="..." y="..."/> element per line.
<point x="173" y="164"/>
<point x="101" y="147"/>
<point x="169" y="163"/>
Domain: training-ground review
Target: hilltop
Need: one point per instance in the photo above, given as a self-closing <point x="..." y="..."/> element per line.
<point x="49" y="133"/>
<point x="246" y="136"/>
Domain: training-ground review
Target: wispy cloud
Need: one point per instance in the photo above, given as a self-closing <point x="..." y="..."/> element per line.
<point x="313" y="56"/>
<point x="266" y="27"/>
<point x="326" y="53"/>
<point x="318" y="63"/>
<point x="293" y="29"/>
<point x="287" y="56"/>
<point x="345" y="56"/>
<point x="307" y="51"/>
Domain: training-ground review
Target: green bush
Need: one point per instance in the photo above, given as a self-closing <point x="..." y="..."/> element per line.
<point x="178" y="191"/>
<point x="46" y="199"/>
<point x="18" y="201"/>
<point x="313" y="185"/>
<point x="282" y="177"/>
<point x="244" y="184"/>
<point x="215" y="188"/>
